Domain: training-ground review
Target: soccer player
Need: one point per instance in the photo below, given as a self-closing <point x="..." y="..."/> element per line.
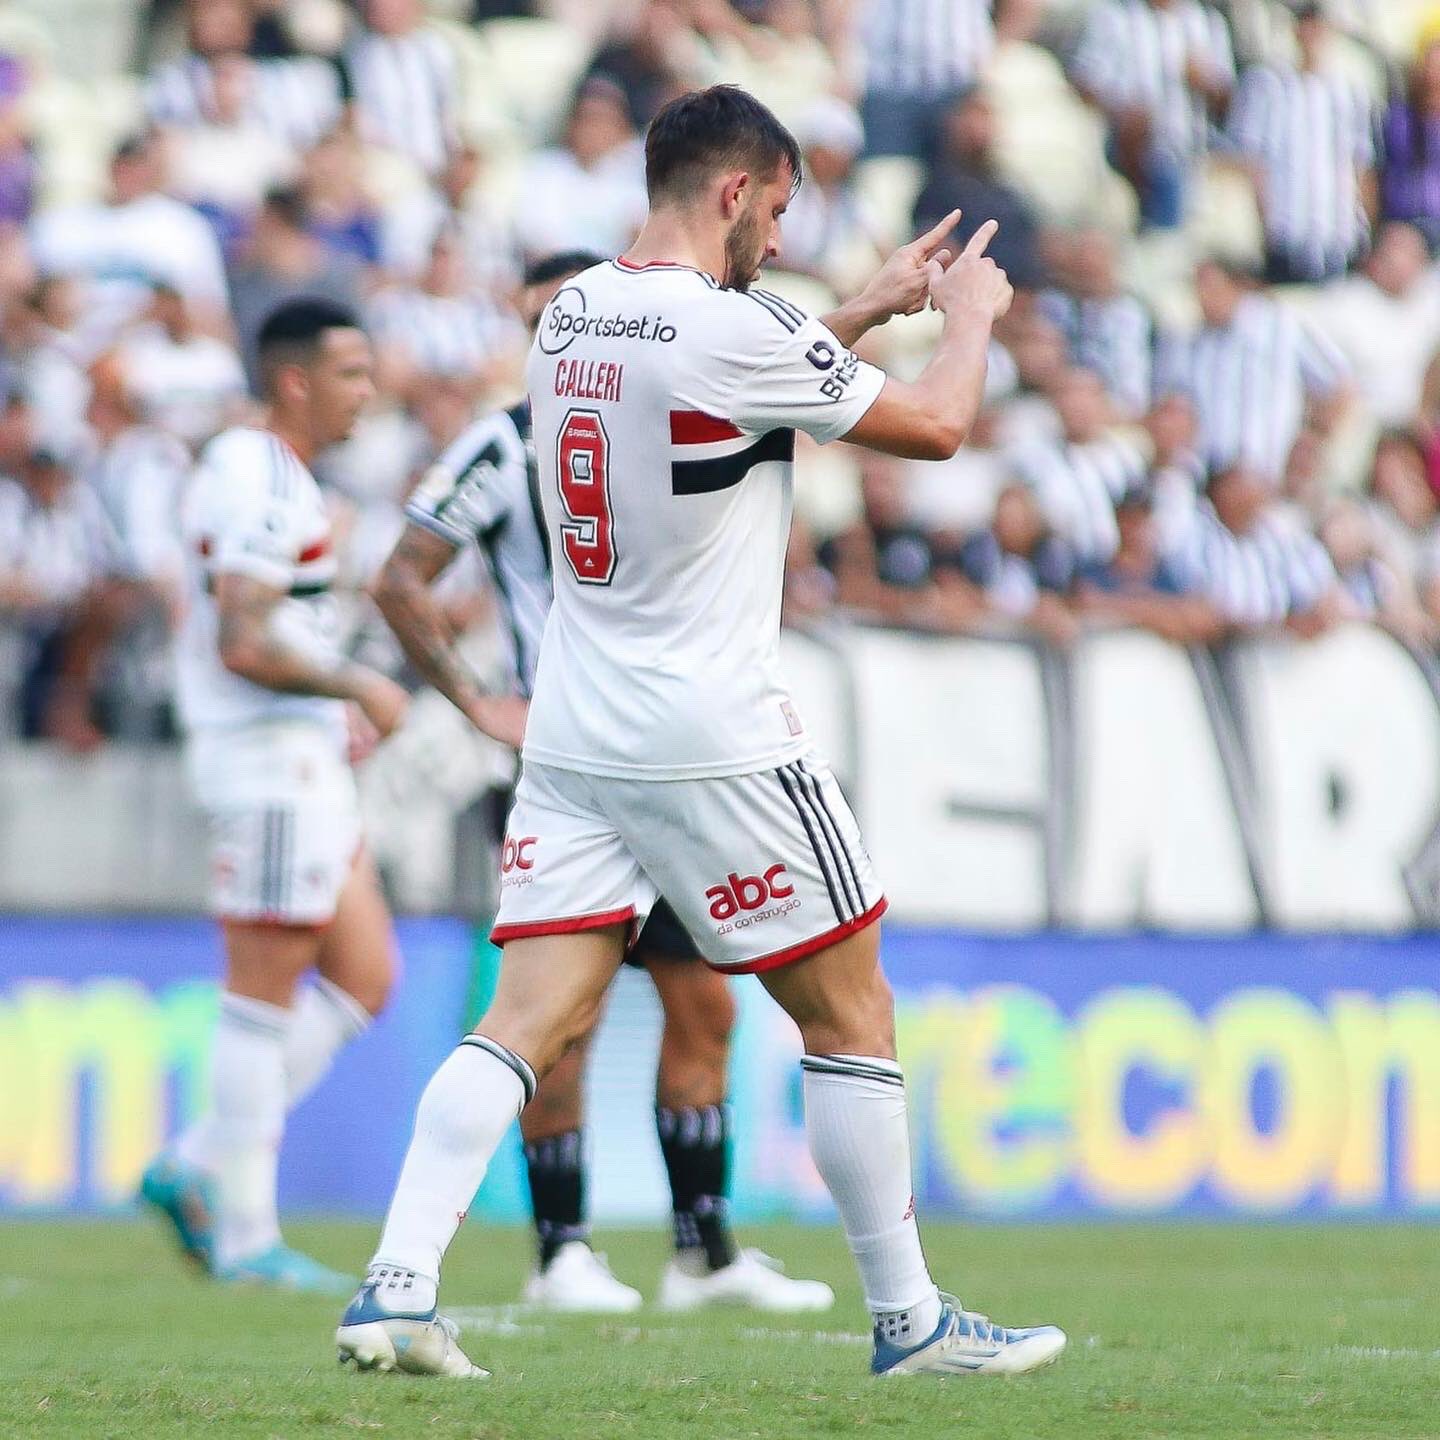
<point x="272" y="710"/>
<point x="662" y="753"/>
<point x="484" y="490"/>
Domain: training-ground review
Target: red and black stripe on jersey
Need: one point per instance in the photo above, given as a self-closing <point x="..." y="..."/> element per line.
<point x="708" y="454"/>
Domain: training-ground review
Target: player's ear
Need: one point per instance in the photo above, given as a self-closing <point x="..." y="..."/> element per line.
<point x="733" y="192"/>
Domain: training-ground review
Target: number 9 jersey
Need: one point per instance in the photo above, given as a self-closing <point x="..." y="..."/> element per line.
<point x="665" y="408"/>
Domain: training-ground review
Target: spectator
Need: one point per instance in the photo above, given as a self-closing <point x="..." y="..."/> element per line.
<point x="1403" y="504"/>
<point x="293" y="101"/>
<point x="17" y="156"/>
<point x="119" y="246"/>
<point x="1370" y="586"/>
<point x="60" y="588"/>
<point x="47" y="355"/>
<point x="1309" y="133"/>
<point x="825" y="229"/>
<point x="338" y="211"/>
<point x="1256" y="567"/>
<point x="649" y="60"/>
<point x="1386" y="322"/>
<point x="1410" y="176"/>
<point x="1079" y="479"/>
<point x="441" y="326"/>
<point x="1017" y="569"/>
<point x="964" y="177"/>
<point x="883" y="566"/>
<point x="185" y="381"/>
<point x="918" y="54"/>
<point x="1140" y="585"/>
<point x="409" y="229"/>
<point x="225" y="161"/>
<point x="1161" y="71"/>
<point x="404" y="84"/>
<point x="282" y="262"/>
<point x="1250" y="371"/>
<point x="1105" y="329"/>
<point x="587" y="193"/>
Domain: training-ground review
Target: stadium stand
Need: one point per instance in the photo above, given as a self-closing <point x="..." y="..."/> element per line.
<point x="168" y="171"/>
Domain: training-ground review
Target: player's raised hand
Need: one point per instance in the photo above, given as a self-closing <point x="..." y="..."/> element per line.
<point x="973" y="281"/>
<point x="902" y="284"/>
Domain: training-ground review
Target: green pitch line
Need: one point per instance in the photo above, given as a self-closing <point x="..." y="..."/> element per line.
<point x="1175" y="1332"/>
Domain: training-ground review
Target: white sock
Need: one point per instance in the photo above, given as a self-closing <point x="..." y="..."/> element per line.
<point x="247" y="1122"/>
<point x="859" y="1135"/>
<point x="324" y="1019"/>
<point x="465" y="1110"/>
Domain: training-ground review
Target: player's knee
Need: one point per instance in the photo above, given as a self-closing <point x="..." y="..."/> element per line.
<point x="853" y="1019"/>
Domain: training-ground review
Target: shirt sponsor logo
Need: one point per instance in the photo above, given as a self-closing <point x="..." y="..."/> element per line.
<point x="565" y="321"/>
<point x="838" y="382"/>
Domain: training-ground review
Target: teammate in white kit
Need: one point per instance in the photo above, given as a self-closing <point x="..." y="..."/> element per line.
<point x="484" y="490"/>
<point x="662" y="752"/>
<point x="271" y="710"/>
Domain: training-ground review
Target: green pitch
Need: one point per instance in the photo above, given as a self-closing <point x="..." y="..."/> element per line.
<point x="1198" y="1331"/>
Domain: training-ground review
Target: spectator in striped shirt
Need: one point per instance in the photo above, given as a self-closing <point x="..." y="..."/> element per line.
<point x="1162" y="72"/>
<point x="1371" y="587"/>
<point x="441" y="326"/>
<point x="1105" y="329"/>
<point x="1141" y="585"/>
<point x="919" y="54"/>
<point x="1309" y="135"/>
<point x="294" y="101"/>
<point x="1017" y="569"/>
<point x="1257" y="566"/>
<point x="1251" y="371"/>
<point x="403" y="84"/>
<point x="1410" y="176"/>
<point x="1079" y="479"/>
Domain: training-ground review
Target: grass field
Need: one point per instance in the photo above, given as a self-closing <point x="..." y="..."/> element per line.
<point x="1197" y="1331"/>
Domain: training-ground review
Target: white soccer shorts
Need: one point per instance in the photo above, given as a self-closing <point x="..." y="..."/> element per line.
<point x="284" y="821"/>
<point x="762" y="869"/>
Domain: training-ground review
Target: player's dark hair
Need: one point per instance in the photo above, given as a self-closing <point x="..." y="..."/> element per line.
<point x="707" y="131"/>
<point x="560" y="266"/>
<point x="292" y="333"/>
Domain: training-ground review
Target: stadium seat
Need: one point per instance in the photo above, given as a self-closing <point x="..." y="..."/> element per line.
<point x="532" y="66"/>
<point x="887" y="186"/>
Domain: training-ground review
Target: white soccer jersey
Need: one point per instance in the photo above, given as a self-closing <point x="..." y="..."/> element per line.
<point x="254" y="509"/>
<point x="664" y="411"/>
<point x="485" y="489"/>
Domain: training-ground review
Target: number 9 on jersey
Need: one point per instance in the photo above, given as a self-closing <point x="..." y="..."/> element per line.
<point x="584" y="476"/>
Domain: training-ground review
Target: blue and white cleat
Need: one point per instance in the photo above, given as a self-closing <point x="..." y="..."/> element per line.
<point x="282" y="1268"/>
<point x="965" y="1343"/>
<point x="186" y="1199"/>
<point x="421" y="1342"/>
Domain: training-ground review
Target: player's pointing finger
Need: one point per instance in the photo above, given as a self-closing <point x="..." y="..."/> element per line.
<point x="979" y="240"/>
<point x="932" y="239"/>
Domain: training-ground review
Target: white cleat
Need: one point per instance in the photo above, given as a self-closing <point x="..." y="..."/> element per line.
<point x="373" y="1338"/>
<point x="752" y="1279"/>
<point x="967" y="1344"/>
<point x="577" y="1281"/>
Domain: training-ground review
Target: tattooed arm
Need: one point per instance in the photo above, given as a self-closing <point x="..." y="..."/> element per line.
<point x="404" y="596"/>
<point x="250" y="648"/>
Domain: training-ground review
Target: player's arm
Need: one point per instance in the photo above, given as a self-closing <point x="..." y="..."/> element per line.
<point x="928" y="418"/>
<point x="251" y="648"/>
<point x="901" y="286"/>
<point x="404" y="593"/>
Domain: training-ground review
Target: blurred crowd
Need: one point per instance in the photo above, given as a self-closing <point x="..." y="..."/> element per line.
<point x="1214" y="407"/>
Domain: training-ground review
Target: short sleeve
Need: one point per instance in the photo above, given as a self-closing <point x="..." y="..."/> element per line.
<point x="464" y="493"/>
<point x="806" y="381"/>
<point x="255" y="532"/>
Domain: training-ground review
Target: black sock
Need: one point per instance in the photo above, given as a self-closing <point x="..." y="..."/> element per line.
<point x="696" y="1145"/>
<point x="556" y="1167"/>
